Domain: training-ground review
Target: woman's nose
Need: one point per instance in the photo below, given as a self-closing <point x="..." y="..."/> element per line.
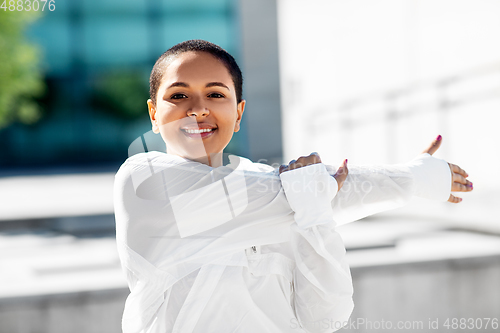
<point x="198" y="110"/>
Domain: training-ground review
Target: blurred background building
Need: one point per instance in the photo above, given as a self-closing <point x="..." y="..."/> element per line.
<point x="377" y="82"/>
<point x="373" y="82"/>
<point x="96" y="58"/>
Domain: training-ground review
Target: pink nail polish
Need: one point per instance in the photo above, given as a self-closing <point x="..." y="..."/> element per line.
<point x="439" y="137"/>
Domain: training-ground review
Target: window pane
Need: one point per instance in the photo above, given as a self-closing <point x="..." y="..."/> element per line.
<point x="213" y="28"/>
<point x="54" y="40"/>
<point x="115" y="40"/>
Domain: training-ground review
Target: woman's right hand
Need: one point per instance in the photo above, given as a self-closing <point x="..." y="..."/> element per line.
<point x="340" y="176"/>
<point x="459" y="181"/>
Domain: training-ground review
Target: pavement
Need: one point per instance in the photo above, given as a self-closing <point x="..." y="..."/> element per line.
<point x="43" y="262"/>
<point x="53" y="196"/>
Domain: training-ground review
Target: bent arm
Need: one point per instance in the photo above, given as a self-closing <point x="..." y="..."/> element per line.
<point x="322" y="297"/>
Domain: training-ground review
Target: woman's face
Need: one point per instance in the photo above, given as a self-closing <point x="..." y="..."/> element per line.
<point x="196" y="109"/>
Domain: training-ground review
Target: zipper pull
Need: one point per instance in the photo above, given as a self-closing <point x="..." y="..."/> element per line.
<point x="254" y="249"/>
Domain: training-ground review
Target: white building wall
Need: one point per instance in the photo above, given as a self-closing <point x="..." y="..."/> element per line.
<point x="377" y="81"/>
<point x="353" y="62"/>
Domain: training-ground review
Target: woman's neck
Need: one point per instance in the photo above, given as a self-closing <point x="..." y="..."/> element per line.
<point x="213" y="160"/>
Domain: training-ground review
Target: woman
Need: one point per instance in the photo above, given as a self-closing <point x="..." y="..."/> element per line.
<point x="209" y="246"/>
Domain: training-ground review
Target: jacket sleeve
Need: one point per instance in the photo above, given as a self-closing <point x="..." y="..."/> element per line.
<point x="322" y="297"/>
<point x="377" y="188"/>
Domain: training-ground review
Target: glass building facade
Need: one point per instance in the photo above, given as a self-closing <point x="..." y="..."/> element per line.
<point x="97" y="56"/>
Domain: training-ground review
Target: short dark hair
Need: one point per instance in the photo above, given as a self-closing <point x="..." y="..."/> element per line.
<point x="196" y="45"/>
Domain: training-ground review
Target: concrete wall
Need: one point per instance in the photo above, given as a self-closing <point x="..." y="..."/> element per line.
<point x="85" y="312"/>
<point x="416" y="293"/>
<point x="426" y="293"/>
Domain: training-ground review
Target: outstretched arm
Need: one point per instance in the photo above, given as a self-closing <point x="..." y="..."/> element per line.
<point x="373" y="189"/>
<point x="376" y="188"/>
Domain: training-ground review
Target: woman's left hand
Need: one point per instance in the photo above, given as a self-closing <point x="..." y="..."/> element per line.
<point x="340" y="176"/>
<point x="459" y="181"/>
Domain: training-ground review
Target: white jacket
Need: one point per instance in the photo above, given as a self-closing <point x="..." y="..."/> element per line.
<point x="240" y="248"/>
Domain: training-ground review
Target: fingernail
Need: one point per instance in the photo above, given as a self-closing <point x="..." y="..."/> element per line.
<point x="460" y="199"/>
<point x="346" y="161"/>
<point x="439" y="137"/>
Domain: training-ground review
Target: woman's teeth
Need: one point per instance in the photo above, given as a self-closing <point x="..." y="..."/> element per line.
<point x="198" y="131"/>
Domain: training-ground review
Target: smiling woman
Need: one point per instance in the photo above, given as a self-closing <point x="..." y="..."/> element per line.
<point x="196" y="105"/>
<point x="195" y="235"/>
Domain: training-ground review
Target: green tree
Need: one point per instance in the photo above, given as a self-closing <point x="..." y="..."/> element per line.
<point x="20" y="72"/>
<point x="121" y="92"/>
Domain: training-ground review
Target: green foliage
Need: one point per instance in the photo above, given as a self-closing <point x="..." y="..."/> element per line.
<point x="20" y="73"/>
<point x="122" y="93"/>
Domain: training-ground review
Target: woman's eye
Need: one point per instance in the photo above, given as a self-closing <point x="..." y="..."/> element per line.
<point x="216" y="95"/>
<point x="178" y="96"/>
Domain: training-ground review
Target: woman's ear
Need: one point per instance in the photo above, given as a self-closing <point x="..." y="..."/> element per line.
<point x="152" y="116"/>
<point x="240" y="108"/>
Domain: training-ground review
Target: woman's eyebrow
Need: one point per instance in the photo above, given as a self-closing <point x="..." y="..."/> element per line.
<point x="178" y="84"/>
<point x="216" y="84"/>
<point x="185" y="85"/>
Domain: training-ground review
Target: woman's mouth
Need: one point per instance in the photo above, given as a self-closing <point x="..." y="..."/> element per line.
<point x="198" y="133"/>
